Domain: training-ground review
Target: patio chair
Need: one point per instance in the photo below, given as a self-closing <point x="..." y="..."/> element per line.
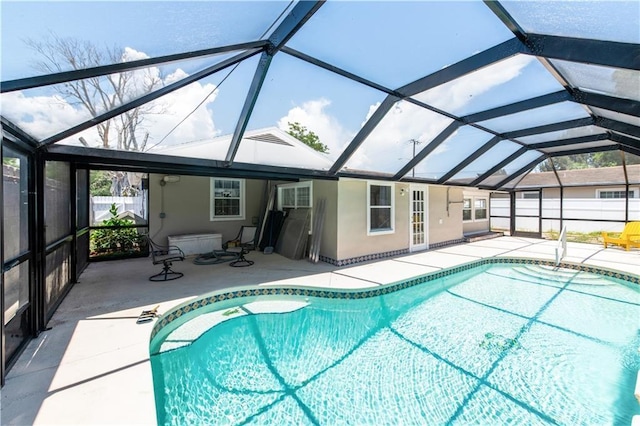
<point x="244" y="242"/>
<point x="165" y="256"/>
<point x="630" y="236"/>
<point x="246" y="238"/>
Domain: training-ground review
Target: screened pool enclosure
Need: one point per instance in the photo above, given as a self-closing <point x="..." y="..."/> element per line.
<point x="510" y="97"/>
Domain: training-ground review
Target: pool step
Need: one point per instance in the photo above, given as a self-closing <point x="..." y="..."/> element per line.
<point x="470" y="238"/>
<point x="560" y="276"/>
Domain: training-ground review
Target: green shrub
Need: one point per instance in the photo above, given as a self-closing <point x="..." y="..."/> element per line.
<point x="115" y="241"/>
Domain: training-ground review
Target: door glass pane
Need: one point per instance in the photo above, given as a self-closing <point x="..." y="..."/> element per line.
<point x="82" y="198"/>
<point x="16" y="290"/>
<point x="15" y="172"/>
<point x="418" y="211"/>
<point x="58" y="275"/>
<point x="16" y="330"/>
<point x="57" y="200"/>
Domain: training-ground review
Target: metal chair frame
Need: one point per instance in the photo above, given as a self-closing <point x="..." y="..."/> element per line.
<point x="165" y="256"/>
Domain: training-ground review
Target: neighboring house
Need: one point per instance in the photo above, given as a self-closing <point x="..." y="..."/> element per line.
<point x="593" y="200"/>
<point x="364" y="219"/>
<point x="584" y="183"/>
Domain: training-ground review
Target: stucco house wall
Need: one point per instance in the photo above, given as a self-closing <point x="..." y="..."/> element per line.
<point x="445" y="214"/>
<point x="328" y="190"/>
<point x="352" y="237"/>
<point x="185" y="205"/>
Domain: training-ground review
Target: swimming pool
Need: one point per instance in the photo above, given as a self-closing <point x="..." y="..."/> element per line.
<point x="490" y="344"/>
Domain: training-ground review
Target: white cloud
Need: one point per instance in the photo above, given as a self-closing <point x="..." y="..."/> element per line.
<point x="457" y="93"/>
<point x="312" y="114"/>
<point x="44" y="115"/>
<point x="130" y="54"/>
<point x="41" y="116"/>
<point x="178" y="105"/>
<point x="388" y="147"/>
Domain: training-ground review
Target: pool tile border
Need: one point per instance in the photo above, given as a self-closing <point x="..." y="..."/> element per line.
<point x="384" y="255"/>
<point x="365" y="258"/>
<point x="217" y="297"/>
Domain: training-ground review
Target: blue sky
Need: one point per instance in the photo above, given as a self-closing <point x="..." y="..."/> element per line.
<point x="391" y="43"/>
<point x="154" y="27"/>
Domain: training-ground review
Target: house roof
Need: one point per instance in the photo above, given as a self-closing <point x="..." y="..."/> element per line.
<point x="461" y="93"/>
<point x="269" y="146"/>
<point x="582" y="177"/>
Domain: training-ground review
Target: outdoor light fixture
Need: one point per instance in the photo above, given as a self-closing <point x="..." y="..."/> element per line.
<point x="171" y="179"/>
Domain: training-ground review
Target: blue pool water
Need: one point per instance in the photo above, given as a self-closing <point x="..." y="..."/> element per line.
<point x="496" y="345"/>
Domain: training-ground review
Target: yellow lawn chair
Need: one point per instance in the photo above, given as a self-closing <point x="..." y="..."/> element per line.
<point x="630" y="236"/>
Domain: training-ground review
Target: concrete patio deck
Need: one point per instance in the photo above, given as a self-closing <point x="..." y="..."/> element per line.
<point x="92" y="366"/>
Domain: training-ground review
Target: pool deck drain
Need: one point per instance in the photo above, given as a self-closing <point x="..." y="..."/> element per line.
<point x="93" y="366"/>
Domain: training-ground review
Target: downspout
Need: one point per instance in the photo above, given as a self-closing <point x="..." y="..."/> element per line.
<point x="451" y="202"/>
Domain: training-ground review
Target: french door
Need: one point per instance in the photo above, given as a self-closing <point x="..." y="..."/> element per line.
<point x="419" y="221"/>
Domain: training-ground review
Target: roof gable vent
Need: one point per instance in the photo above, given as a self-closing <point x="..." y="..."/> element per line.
<point x="268" y="138"/>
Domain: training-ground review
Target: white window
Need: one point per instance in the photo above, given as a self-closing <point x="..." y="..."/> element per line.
<point x="466" y="210"/>
<point x="380" y="211"/>
<point x="615" y="193"/>
<point x="295" y="195"/>
<point x="479" y="209"/>
<point x="475" y="209"/>
<point x="227" y="199"/>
